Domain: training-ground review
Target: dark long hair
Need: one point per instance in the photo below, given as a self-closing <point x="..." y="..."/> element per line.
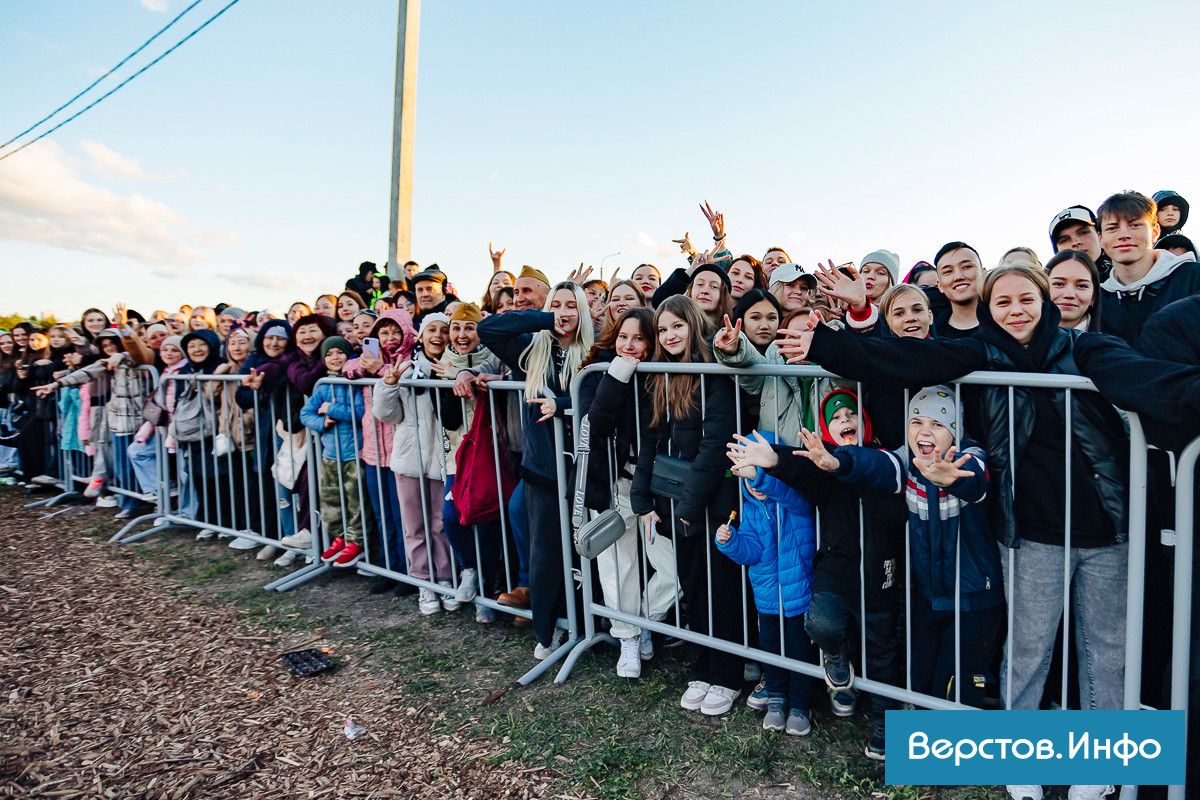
<point x="608" y="340"/>
<point x="677" y="398"/>
<point x="1083" y="258"/>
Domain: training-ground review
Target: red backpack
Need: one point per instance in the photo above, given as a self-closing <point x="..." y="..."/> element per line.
<point x="476" y="495"/>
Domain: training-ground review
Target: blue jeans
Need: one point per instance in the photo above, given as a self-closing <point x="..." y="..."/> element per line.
<point x="387" y="517"/>
<point x="516" y="521"/>
<point x="827" y="620"/>
<point x="134" y="468"/>
<point x="794" y="687"/>
<point x="1098" y="580"/>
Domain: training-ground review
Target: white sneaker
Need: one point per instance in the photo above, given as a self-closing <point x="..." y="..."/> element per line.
<point x="107" y="501"/>
<point x="205" y="535"/>
<point x="630" y="663"/>
<point x="449" y="601"/>
<point x="301" y="540"/>
<point x="160" y="522"/>
<point x="484" y="615"/>
<point x="719" y="700"/>
<point x="45" y="480"/>
<point x="1089" y="792"/>
<point x="267" y="553"/>
<point x="645" y="645"/>
<point x="1020" y="792"/>
<point x="693" y="698"/>
<point x="286" y="559"/>
<point x="242" y="544"/>
<point x="427" y="602"/>
<point x="467" y="588"/>
<point x="543" y="651"/>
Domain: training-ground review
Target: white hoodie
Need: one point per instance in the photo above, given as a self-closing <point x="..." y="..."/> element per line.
<point x="1165" y="262"/>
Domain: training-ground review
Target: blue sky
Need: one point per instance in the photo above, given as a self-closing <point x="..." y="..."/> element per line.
<point x="252" y="165"/>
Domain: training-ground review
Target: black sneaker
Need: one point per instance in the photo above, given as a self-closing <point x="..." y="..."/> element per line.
<point x="382" y="585"/>
<point x="404" y="589"/>
<point x="875" y="741"/>
<point x="839" y="672"/>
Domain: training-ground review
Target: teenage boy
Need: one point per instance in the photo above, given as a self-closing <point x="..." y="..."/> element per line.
<point x="959" y="275"/>
<point x="1074" y="228"/>
<point x="1143" y="279"/>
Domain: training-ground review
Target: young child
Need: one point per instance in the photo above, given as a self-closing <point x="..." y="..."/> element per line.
<point x="951" y="537"/>
<point x="1172" y="211"/>
<point x="839" y="596"/>
<point x="777" y="540"/>
<point x="332" y="412"/>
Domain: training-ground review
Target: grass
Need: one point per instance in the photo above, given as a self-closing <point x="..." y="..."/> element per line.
<point x="607" y="737"/>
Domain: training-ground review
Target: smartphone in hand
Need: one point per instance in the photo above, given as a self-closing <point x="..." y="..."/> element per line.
<point x="371" y="346"/>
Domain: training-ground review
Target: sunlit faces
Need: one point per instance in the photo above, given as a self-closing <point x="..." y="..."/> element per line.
<point x="760" y="323"/>
<point x="843" y="426"/>
<point x="1073" y="291"/>
<point x="404" y="304"/>
<point x="498" y="280"/>
<point x="197" y="350"/>
<point x="672" y="333"/>
<point x="927" y="437"/>
<point x="741" y="278"/>
<point x="170" y="354"/>
<point x="1016" y="306"/>
<point x="347" y="307"/>
<point x="927" y="279"/>
<point x="958" y="274"/>
<point x="434" y="338"/>
<point x="297" y="311"/>
<point x="225" y="324"/>
<point x="335" y="359"/>
<point x="389" y="334"/>
<point x="464" y="335"/>
<point x="381" y="305"/>
<point x="58" y="339"/>
<point x="346" y="331"/>
<point x="38" y="341"/>
<point x="529" y="293"/>
<point x="155" y="339"/>
<point x="773" y="259"/>
<point x="593" y="292"/>
<point x="177" y="323"/>
<point x="647" y="279"/>
<point x="504" y="303"/>
<point x="706" y="291"/>
<point x="876" y="279"/>
<point x="94" y="322"/>
<point x="362" y="325"/>
<point x="273" y="345"/>
<point x="308" y="337"/>
<point x="237" y="348"/>
<point x="566" y="312"/>
<point x="21" y="337"/>
<point x="622" y="299"/>
<point x="1127" y="241"/>
<point x="7" y="344"/>
<point x="910" y="315"/>
<point x="795" y="294"/>
<point x="199" y="323"/>
<point x="429" y="294"/>
<point x="326" y="306"/>
<point x="630" y="343"/>
<point x="1168" y="216"/>
<point x="108" y="346"/>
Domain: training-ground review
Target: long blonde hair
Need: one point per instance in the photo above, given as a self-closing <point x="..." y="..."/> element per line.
<point x="676" y="398"/>
<point x="538" y="358"/>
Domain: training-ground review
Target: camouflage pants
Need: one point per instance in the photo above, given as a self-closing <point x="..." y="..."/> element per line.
<point x="340" y="510"/>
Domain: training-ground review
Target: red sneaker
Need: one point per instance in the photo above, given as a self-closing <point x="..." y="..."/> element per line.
<point x="351" y="554"/>
<point x="335" y="548"/>
<point x="93" y="488"/>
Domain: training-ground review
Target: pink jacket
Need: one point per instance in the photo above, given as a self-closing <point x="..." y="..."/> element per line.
<point x="374" y="432"/>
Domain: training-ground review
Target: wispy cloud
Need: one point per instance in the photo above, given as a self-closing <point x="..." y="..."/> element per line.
<point x="173" y="273"/>
<point x="154" y="5"/>
<point x="45" y="199"/>
<point x="112" y="164"/>
<point x="643" y="241"/>
<point x="46" y="43"/>
<point x="270" y="280"/>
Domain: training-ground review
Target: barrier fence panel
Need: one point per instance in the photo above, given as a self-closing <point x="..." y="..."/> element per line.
<point x="1185" y="571"/>
<point x="890" y="675"/>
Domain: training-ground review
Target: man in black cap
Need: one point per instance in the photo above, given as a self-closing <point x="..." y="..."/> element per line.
<point x="1074" y="228"/>
<point x="429" y="287"/>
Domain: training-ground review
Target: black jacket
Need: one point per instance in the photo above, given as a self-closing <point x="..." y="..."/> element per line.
<point x="1128" y="308"/>
<point x="1100" y="446"/>
<point x="610" y="406"/>
<point x="699" y="438"/>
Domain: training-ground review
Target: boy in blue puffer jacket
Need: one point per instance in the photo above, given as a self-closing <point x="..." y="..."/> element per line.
<point x="334" y="412"/>
<point x="777" y="539"/>
<point x="950" y="541"/>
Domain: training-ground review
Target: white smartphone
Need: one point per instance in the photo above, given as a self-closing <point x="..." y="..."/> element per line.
<point x="371" y="346"/>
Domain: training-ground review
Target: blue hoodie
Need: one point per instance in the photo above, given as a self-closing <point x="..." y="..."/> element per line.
<point x="777" y="539"/>
<point x="341" y="441"/>
<point x="934" y="537"/>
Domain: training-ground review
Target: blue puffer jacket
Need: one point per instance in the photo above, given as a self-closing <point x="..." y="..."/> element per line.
<point x="777" y="540"/>
<point x="339" y="442"/>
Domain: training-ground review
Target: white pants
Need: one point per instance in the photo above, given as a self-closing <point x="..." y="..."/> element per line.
<point x="620" y="572"/>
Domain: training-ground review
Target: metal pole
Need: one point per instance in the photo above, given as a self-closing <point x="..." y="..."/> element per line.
<point x="404" y="123"/>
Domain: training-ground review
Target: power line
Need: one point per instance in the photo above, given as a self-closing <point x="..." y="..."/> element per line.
<point x="95" y="102"/>
<point x="105" y="75"/>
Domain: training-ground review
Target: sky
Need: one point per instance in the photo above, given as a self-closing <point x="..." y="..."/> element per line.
<point x="252" y="165"/>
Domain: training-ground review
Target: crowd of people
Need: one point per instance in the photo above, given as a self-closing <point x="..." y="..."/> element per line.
<point x="997" y="487"/>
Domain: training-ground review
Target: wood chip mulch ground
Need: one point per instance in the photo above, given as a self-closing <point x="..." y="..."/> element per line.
<point x="111" y="685"/>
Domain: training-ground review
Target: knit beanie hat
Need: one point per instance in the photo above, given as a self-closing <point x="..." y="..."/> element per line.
<point x="431" y="318"/>
<point x="885" y="257"/>
<point x="467" y="312"/>
<point x="177" y="341"/>
<point x="836" y="401"/>
<point x="153" y="329"/>
<point x="338" y="342"/>
<point x="936" y="403"/>
<point x="234" y="312"/>
<point x="530" y="272"/>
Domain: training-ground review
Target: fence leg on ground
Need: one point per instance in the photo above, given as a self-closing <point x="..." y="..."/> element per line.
<point x="294" y="579"/>
<point x="591" y="636"/>
<point x="1135" y="599"/>
<point x="1185" y="520"/>
<point x="120" y="536"/>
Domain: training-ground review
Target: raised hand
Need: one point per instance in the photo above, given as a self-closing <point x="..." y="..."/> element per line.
<point x="756" y="452"/>
<point x="835" y="284"/>
<point x="392" y="373"/>
<point x="728" y="338"/>
<point x="121" y="315"/>
<point x="685" y="245"/>
<point x="944" y="471"/>
<point x="546" y="406"/>
<point x="496" y="255"/>
<point x="794" y="343"/>
<point x="716" y="221"/>
<point x="580" y="275"/>
<point x="49" y="388"/>
<point x="370" y="363"/>
<point x="253" y="381"/>
<point x="815" y="451"/>
<point x="444" y="369"/>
